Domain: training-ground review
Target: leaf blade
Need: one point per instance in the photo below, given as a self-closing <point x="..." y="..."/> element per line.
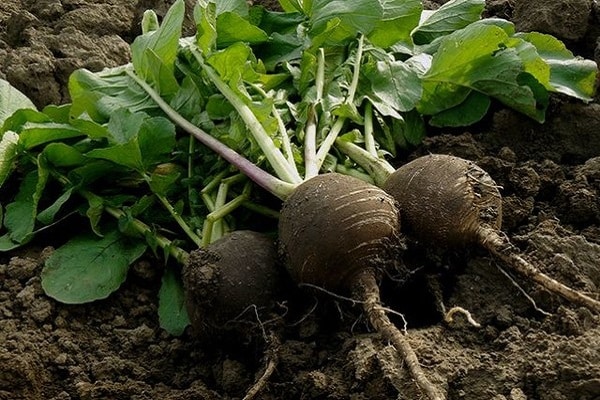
<point x="88" y="268"/>
<point x="8" y="153"/>
<point x="11" y="100"/>
<point x="478" y="58"/>
<point x="453" y="15"/>
<point x="172" y="314"/>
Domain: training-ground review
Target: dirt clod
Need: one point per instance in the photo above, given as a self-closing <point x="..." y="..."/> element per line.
<point x="565" y="19"/>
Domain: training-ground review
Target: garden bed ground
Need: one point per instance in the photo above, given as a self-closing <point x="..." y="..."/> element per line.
<point x="115" y="349"/>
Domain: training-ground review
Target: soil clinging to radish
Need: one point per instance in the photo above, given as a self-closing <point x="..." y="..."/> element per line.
<point x="235" y="280"/>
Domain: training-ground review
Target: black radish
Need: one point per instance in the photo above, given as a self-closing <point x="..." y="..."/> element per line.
<point x="449" y="201"/>
<point x="231" y="289"/>
<point x="233" y="282"/>
<point x="333" y="226"/>
<point x="338" y="232"/>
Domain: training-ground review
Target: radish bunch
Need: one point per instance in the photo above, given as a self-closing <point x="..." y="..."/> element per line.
<point x="335" y="231"/>
<point x="340" y="232"/>
<point x="286" y="100"/>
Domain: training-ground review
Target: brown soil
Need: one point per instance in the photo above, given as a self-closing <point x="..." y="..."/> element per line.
<point x="115" y="349"/>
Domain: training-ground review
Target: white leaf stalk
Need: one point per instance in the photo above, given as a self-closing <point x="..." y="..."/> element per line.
<point x="339" y="124"/>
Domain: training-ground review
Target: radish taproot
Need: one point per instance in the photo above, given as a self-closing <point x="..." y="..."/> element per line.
<point x="450" y="201"/>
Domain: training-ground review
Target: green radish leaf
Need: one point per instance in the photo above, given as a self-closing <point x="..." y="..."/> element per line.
<point x="232" y="28"/>
<point x="126" y="225"/>
<point x="412" y="128"/>
<point x="93" y="130"/>
<point x="218" y="107"/>
<point x="239" y="7"/>
<point x="285" y="42"/>
<point x="304" y="76"/>
<point x="142" y="141"/>
<point x="149" y="22"/>
<point x="172" y="314"/>
<point x="267" y="82"/>
<point x="7" y="244"/>
<point x="12" y="100"/>
<point x="89" y="268"/>
<point x="569" y="75"/>
<point x="161" y="75"/>
<point x="477" y="58"/>
<point x="43" y="175"/>
<point x="161" y="184"/>
<point x="127" y="155"/>
<point x="280" y="49"/>
<point x="100" y="94"/>
<point x="405" y="132"/>
<point x="62" y="155"/>
<point x="34" y="134"/>
<point x="348" y="111"/>
<point x="141" y="205"/>
<point x="450" y="17"/>
<point x="8" y="153"/>
<point x="154" y="246"/>
<point x="205" y="16"/>
<point x="156" y="141"/>
<point x="161" y="44"/>
<point x="275" y="22"/>
<point x="533" y="64"/>
<point x="470" y="111"/>
<point x="503" y="24"/>
<point x="19" y="216"/>
<point x="59" y="114"/>
<point x="394" y="87"/>
<point x="290" y="6"/>
<point x="94" y="213"/>
<point x="188" y="100"/>
<point x="399" y="18"/>
<point x="431" y="48"/>
<point x="19" y="118"/>
<point x="46" y="216"/>
<point x="231" y="62"/>
<point x="93" y="170"/>
<point x="325" y="38"/>
<point x="344" y="19"/>
<point x="124" y="126"/>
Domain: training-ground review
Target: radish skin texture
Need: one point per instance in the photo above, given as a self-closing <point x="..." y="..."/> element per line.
<point x="223" y="280"/>
<point x="445" y="199"/>
<point x="333" y="226"/>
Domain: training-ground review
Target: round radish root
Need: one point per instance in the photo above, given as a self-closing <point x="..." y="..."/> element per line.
<point x="234" y="279"/>
<point x="333" y="226"/>
<point x="450" y="201"/>
<point x="445" y="199"/>
<point x="337" y="232"/>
